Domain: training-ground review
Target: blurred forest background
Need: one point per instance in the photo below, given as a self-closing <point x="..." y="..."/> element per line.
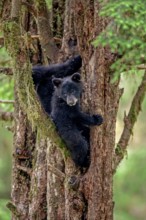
<point x="130" y="179"/>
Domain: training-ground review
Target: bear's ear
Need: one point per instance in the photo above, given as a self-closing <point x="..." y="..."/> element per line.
<point x="56" y="82"/>
<point x="76" y="77"/>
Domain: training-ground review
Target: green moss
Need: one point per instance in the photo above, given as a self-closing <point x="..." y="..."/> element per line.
<point x="133" y="114"/>
<point x="120" y="151"/>
<point x="49" y="4"/>
<point x="22" y="70"/>
<point x="40" y="4"/>
<point x="13" y="209"/>
<point x="11" y="32"/>
<point x="1" y="7"/>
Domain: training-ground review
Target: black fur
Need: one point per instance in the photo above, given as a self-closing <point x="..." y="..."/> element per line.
<point x="70" y="121"/>
<point x="59" y="88"/>
<point x="42" y="77"/>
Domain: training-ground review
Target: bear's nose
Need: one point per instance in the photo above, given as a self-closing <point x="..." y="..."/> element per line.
<point x="71" y="100"/>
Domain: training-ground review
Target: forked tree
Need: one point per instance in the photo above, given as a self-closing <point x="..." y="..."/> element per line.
<point x="45" y="182"/>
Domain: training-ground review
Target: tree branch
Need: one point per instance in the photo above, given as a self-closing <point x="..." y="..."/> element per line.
<point x="129" y="122"/>
<point x="33" y="37"/>
<point x="22" y="71"/>
<point x="141" y="67"/>
<point x="7" y="101"/>
<point x="46" y="36"/>
<point x="10" y="128"/>
<point x="57" y="172"/>
<point x="6" y="116"/>
<point x="13" y="209"/>
<point x="6" y="71"/>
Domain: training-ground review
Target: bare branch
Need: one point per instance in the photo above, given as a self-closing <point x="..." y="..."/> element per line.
<point x="13" y="209"/>
<point x="6" y="71"/>
<point x="129" y="122"/>
<point x="57" y="172"/>
<point x="33" y="37"/>
<point x="10" y="128"/>
<point x="142" y="67"/>
<point x="6" y="116"/>
<point x="7" y="101"/>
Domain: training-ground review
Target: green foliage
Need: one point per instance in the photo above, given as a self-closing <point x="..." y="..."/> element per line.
<point x="129" y="187"/>
<point x="4" y="212"/>
<point x="6" y="92"/>
<point x="6" y="83"/>
<point x="4" y="58"/>
<point x="126" y="32"/>
<point x="49" y="3"/>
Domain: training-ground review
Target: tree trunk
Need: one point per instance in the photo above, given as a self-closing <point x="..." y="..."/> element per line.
<point x="93" y="199"/>
<point x="44" y="185"/>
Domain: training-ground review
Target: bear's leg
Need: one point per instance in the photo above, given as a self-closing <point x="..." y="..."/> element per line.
<point x="78" y="147"/>
<point x="89" y="120"/>
<point x="58" y="70"/>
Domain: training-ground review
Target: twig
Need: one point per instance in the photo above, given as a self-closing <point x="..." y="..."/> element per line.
<point x="10" y="128"/>
<point x="6" y="116"/>
<point x="141" y="67"/>
<point x="129" y="122"/>
<point x="57" y="172"/>
<point x="7" y="101"/>
<point x="6" y="71"/>
<point x="13" y="209"/>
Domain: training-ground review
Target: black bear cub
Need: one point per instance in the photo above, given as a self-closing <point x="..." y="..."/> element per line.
<point x="42" y="77"/>
<point x="70" y="121"/>
<point x="59" y="88"/>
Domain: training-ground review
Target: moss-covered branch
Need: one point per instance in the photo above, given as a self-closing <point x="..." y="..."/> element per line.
<point x="6" y="71"/>
<point x="6" y="116"/>
<point x="22" y="72"/>
<point x="7" y="101"/>
<point x="13" y="209"/>
<point x="129" y="122"/>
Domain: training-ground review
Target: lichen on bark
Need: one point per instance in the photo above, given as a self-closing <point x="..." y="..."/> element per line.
<point x="22" y="71"/>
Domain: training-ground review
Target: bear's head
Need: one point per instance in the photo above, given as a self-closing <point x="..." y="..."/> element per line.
<point x="68" y="88"/>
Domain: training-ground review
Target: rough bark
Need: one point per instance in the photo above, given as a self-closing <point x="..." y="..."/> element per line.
<point x="38" y="204"/>
<point x="44" y="29"/>
<point x="55" y="183"/>
<point x="74" y="201"/>
<point x="102" y="97"/>
<point x="24" y="141"/>
<point x="45" y="184"/>
<point x="58" y="7"/>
